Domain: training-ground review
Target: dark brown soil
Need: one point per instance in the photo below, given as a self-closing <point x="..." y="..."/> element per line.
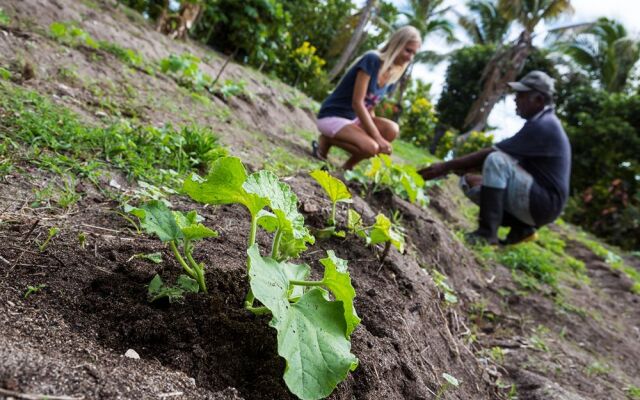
<point x="69" y="338"/>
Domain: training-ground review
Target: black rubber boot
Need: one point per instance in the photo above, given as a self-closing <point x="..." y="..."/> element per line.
<point x="519" y="232"/>
<point x="491" y="209"/>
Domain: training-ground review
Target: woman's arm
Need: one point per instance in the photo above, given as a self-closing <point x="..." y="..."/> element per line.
<point x="359" y="93"/>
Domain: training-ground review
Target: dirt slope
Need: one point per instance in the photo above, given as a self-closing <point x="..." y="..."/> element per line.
<point x="70" y="337"/>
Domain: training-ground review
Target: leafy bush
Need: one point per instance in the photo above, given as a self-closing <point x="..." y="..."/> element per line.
<point x="418" y="121"/>
<point x="474" y="142"/>
<point x="607" y="203"/>
<point x="304" y="70"/>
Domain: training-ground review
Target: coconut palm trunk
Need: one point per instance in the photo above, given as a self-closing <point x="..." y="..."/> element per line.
<point x="503" y="67"/>
<point x="347" y="54"/>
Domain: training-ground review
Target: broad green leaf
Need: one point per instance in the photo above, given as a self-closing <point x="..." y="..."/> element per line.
<point x="311" y="332"/>
<point x="197" y="232"/>
<point x="269" y="284"/>
<point x="268" y="221"/>
<point x="298" y="273"/>
<point x="354" y="219"/>
<point x="311" y="338"/>
<point x="191" y="228"/>
<point x="284" y="204"/>
<point x="188" y="284"/>
<point x="335" y="188"/>
<point x="156" y="218"/>
<point x="337" y="279"/>
<point x="383" y="231"/>
<point x="223" y="185"/>
<point x="155" y="258"/>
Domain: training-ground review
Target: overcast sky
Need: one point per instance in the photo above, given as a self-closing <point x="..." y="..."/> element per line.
<point x="503" y="116"/>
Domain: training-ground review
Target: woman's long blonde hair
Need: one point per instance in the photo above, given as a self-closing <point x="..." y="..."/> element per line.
<point x="396" y="43"/>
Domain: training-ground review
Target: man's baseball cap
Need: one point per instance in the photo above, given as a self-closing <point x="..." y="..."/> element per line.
<point x="535" y="80"/>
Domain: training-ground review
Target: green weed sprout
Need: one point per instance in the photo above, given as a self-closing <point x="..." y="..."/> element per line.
<point x="313" y="331"/>
<point x="4" y="18"/>
<point x="450" y="382"/>
<point x="52" y="232"/>
<point x="34" y="289"/>
<point x="179" y="230"/>
<point x="382" y="231"/>
<point x="440" y="281"/>
<point x="185" y="70"/>
<point x="157" y="289"/>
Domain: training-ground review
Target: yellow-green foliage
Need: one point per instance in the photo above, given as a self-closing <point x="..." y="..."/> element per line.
<point x="474" y="142"/>
<point x="419" y="122"/>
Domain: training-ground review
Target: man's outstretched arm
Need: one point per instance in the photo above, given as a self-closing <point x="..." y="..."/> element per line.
<point x="458" y="165"/>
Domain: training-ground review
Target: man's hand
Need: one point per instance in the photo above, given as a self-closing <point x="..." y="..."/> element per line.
<point x="434" y="171"/>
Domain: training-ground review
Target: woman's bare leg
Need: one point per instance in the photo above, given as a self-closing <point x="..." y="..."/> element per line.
<point x="356" y="141"/>
<point x="388" y="129"/>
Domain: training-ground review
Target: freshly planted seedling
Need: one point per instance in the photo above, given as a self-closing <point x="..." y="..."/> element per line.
<point x="403" y="180"/>
<point x="382" y="231"/>
<point x="178" y="229"/>
<point x="337" y="192"/>
<point x="228" y="183"/>
<point x="313" y="331"/>
<point x="157" y="289"/>
<point x="52" y="232"/>
<point x="82" y="239"/>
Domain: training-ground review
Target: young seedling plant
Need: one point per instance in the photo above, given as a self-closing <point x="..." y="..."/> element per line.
<point x="312" y="331"/>
<point x="382" y="231"/>
<point x="180" y="230"/>
<point x="337" y="192"/>
<point x="382" y="172"/>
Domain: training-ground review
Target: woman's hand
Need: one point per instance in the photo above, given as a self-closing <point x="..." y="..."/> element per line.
<point x="385" y="147"/>
<point x="434" y="171"/>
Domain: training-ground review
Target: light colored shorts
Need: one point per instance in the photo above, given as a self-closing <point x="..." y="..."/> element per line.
<point x="501" y="171"/>
<point x="330" y="126"/>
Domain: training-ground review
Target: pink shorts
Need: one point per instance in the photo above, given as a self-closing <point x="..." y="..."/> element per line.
<point x="330" y="126"/>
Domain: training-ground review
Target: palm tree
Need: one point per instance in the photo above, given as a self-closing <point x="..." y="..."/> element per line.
<point x="355" y="40"/>
<point x="606" y="51"/>
<point x="484" y="24"/>
<point x="508" y="61"/>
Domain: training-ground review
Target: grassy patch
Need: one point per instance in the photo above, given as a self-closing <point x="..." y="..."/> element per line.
<point x="46" y="135"/>
<point x="411" y="154"/>
<point x="613" y="259"/>
<point x="537" y="263"/>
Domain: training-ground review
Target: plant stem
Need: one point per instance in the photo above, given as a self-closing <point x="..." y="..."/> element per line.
<point x="254" y="229"/>
<point x="276" y="244"/>
<point x="199" y="270"/>
<point x="176" y="253"/>
<point x="332" y="220"/>
<point x="258" y="310"/>
<point x="306" y="283"/>
<point x="385" y="252"/>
